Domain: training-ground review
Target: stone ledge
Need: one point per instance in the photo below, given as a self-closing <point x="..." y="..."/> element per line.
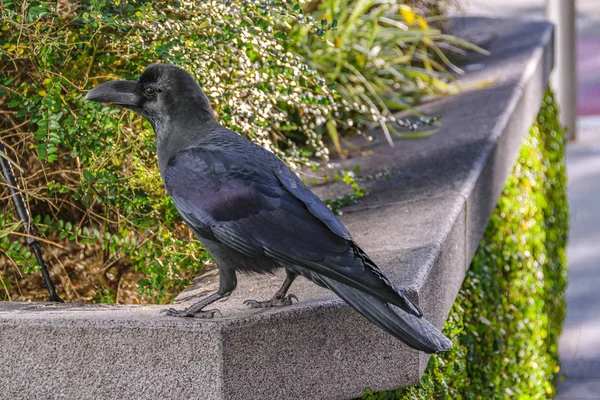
<point x="422" y="226"/>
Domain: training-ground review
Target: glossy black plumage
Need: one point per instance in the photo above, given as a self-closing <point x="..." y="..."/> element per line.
<point x="253" y="213"/>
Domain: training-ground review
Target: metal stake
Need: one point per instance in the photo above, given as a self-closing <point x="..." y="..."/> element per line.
<point x="30" y="230"/>
<point x="564" y="77"/>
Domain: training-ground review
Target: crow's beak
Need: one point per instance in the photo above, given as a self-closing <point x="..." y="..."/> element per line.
<point x="122" y="93"/>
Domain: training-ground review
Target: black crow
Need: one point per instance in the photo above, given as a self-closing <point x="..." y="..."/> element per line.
<point x="252" y="213"/>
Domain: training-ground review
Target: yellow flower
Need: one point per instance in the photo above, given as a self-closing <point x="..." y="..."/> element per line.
<point x="326" y="17"/>
<point x="408" y="14"/>
<point x="360" y="59"/>
<point x="47" y="81"/>
<point x="42" y="93"/>
<point x="422" y="23"/>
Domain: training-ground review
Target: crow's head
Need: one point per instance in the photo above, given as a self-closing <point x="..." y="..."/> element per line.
<point x="162" y="93"/>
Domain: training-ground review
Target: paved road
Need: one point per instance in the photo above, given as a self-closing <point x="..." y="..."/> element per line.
<point x="580" y="342"/>
<point x="588" y="81"/>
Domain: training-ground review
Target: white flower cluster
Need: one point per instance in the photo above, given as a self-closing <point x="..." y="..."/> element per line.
<point x="235" y="51"/>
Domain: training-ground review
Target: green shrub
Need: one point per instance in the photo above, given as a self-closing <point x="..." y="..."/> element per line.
<point x="508" y="315"/>
<point x="90" y="171"/>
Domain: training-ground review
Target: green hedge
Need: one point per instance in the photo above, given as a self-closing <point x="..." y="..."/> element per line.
<point x="89" y="171"/>
<point x="508" y="314"/>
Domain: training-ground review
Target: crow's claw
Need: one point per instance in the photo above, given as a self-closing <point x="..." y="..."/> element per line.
<point x="274" y="302"/>
<point x="205" y="314"/>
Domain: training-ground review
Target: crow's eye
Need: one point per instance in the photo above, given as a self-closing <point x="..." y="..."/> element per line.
<point x="150" y="91"/>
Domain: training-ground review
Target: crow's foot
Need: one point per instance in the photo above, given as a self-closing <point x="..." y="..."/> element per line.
<point x="205" y="314"/>
<point x="274" y="302"/>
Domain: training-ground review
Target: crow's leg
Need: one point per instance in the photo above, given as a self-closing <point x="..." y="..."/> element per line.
<point x="227" y="285"/>
<point x="280" y="299"/>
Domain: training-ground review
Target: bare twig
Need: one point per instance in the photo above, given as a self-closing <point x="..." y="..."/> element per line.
<point x="41" y="239"/>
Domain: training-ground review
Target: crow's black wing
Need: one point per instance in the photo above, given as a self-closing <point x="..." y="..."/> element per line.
<point x="254" y="204"/>
<point x="293" y="184"/>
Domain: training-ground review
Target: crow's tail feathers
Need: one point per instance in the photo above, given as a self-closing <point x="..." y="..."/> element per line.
<point x="414" y="331"/>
